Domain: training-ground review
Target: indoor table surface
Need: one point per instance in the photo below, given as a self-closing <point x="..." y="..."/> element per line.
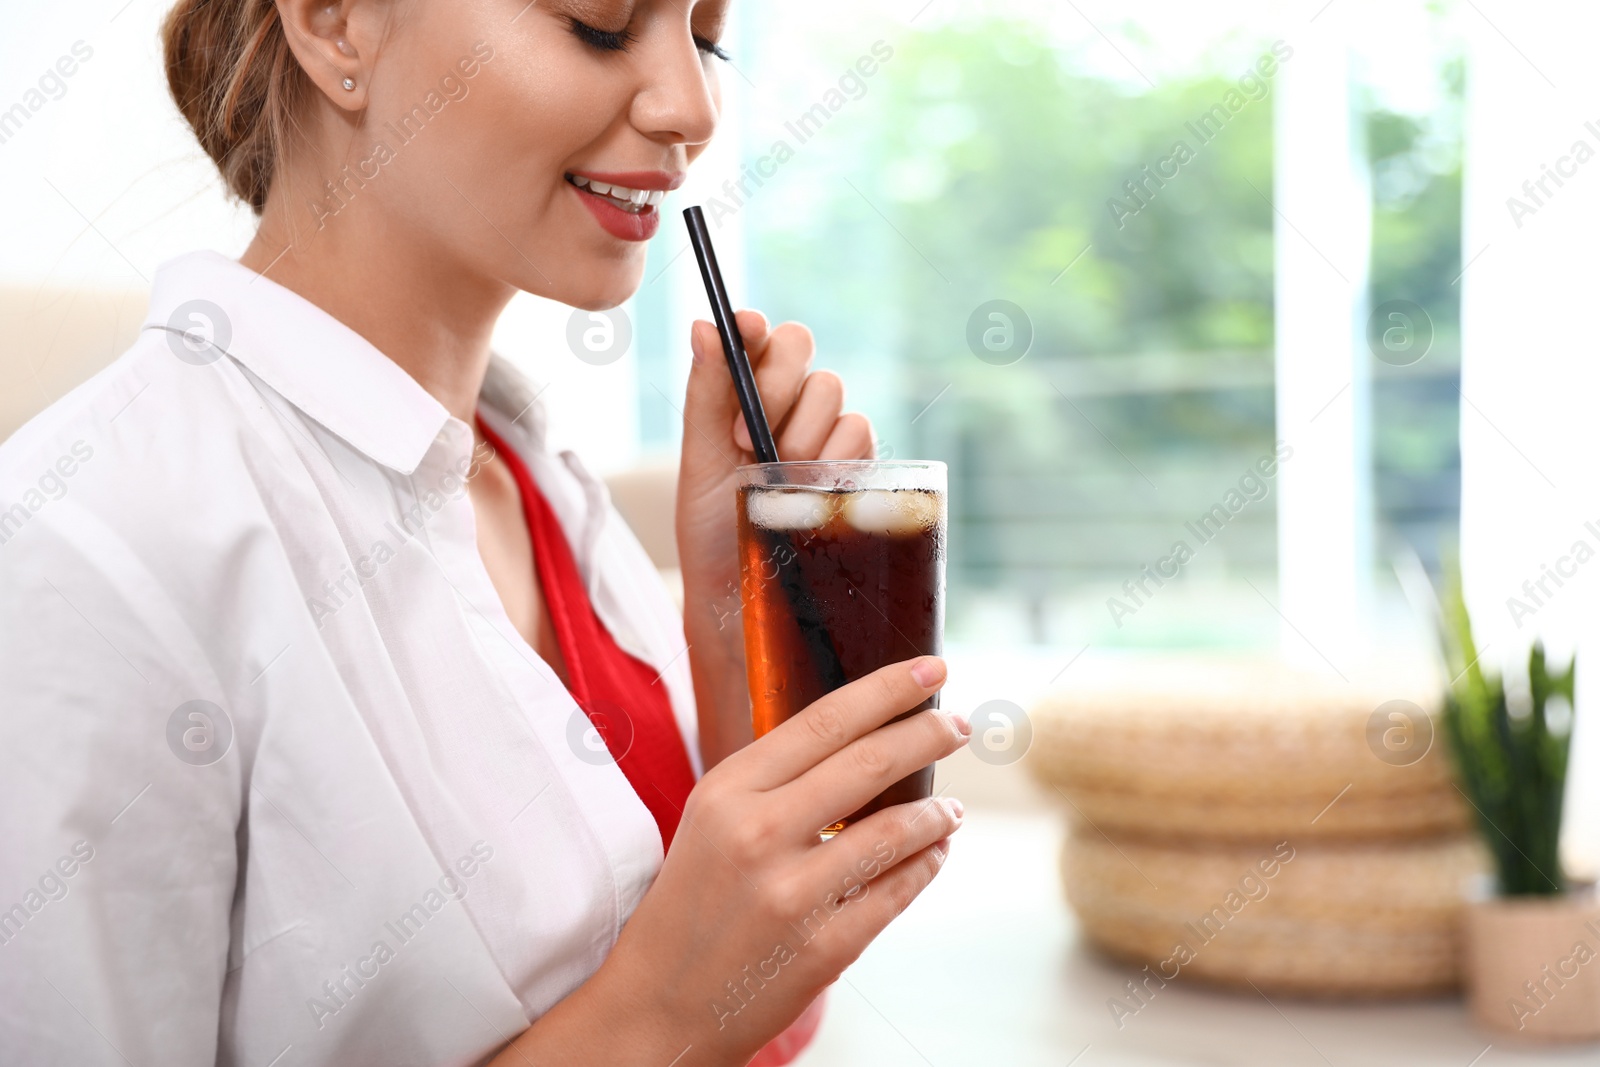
<point x="988" y="967"/>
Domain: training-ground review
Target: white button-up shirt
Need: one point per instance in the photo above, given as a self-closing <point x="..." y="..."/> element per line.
<point x="279" y="781"/>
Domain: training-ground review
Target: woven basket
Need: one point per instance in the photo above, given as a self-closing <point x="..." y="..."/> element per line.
<point x="1245" y="752"/>
<point x="1334" y="920"/>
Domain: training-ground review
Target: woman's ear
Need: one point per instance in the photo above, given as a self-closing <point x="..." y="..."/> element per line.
<point x="336" y="42"/>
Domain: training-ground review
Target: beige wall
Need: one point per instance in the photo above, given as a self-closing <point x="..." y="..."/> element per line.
<point x="57" y="338"/>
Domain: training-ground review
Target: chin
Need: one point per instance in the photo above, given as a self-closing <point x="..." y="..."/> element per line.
<point x="604" y="289"/>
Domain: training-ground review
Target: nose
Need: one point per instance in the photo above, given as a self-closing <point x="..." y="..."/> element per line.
<point x="678" y="104"/>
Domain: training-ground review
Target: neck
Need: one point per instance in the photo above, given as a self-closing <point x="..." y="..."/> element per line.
<point x="411" y="301"/>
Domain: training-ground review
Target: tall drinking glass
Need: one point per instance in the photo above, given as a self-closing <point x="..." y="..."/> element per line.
<point x="841" y="572"/>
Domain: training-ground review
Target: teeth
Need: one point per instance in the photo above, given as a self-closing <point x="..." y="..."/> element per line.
<point x="633" y="200"/>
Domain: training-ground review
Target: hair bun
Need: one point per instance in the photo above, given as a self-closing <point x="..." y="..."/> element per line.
<point x="235" y="80"/>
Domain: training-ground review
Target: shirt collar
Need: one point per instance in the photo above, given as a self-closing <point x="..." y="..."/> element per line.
<point x="510" y="403"/>
<point x="312" y="359"/>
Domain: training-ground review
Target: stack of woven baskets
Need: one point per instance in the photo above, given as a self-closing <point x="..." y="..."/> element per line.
<point x="1251" y="823"/>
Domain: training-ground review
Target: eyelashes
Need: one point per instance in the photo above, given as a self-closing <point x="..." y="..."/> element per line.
<point x="619" y="40"/>
<point x="711" y="48"/>
<point x="602" y="40"/>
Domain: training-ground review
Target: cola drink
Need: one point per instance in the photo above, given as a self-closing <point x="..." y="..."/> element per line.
<point x="842" y="569"/>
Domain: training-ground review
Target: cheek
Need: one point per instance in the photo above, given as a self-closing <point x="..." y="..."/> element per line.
<point x="498" y="148"/>
<point x="529" y="113"/>
<point x="541" y="104"/>
<point x="483" y="183"/>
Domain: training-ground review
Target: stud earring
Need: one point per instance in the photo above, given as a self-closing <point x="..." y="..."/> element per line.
<point x="350" y="84"/>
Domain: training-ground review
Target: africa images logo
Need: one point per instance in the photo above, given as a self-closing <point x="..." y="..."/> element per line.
<point x="1253" y="85"/>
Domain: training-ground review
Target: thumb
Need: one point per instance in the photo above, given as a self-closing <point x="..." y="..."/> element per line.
<point x="710" y="404"/>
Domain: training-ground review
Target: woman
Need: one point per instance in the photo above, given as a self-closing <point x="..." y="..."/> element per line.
<point x="306" y="637"/>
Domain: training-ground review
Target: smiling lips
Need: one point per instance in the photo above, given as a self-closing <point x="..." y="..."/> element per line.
<point x="625" y="204"/>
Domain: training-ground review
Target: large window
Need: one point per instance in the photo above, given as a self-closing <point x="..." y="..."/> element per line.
<point x="1414" y="143"/>
<point x="934" y="198"/>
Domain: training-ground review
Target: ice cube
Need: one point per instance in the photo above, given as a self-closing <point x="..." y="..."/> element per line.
<point x="887" y="511"/>
<point x="790" y="509"/>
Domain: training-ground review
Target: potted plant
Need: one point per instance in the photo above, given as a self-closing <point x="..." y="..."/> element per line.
<point x="1533" y="945"/>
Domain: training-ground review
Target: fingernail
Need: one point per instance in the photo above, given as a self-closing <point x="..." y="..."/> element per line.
<point x="957" y="808"/>
<point x="696" y="348"/>
<point x="963" y="723"/>
<point x="928" y="671"/>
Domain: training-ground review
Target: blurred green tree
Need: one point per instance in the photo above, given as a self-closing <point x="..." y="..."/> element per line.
<point x="983" y="165"/>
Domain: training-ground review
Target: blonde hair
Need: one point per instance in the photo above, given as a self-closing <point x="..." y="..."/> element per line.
<point x="235" y="80"/>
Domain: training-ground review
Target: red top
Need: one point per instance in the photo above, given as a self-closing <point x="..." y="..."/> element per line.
<point x="624" y="698"/>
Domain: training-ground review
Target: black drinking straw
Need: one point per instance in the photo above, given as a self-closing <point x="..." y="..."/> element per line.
<point x="825" y="656"/>
<point x="744" y="379"/>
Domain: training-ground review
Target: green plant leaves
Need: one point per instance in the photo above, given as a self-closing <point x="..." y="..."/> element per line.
<point x="1511" y="758"/>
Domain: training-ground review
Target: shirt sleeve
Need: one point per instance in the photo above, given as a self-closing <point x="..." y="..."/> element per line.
<point x="120" y="790"/>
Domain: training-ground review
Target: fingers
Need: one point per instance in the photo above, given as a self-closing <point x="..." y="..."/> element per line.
<point x="803" y="408"/>
<point x="851" y="438"/>
<point x="756" y="333"/>
<point x="781" y="360"/>
<point x="755" y="330"/>
<point x="867" y="849"/>
<point x="861" y="770"/>
<point x="711" y="401"/>
<point x="709" y="405"/>
<point x="812" y="417"/>
<point x="839" y="718"/>
<point x="845" y="925"/>
<point x="712" y="404"/>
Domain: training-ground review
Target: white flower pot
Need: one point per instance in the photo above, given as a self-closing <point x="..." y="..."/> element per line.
<point x="1533" y="965"/>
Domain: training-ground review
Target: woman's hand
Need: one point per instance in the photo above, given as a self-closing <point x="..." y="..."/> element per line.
<point x="806" y="410"/>
<point x="751" y="916"/>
